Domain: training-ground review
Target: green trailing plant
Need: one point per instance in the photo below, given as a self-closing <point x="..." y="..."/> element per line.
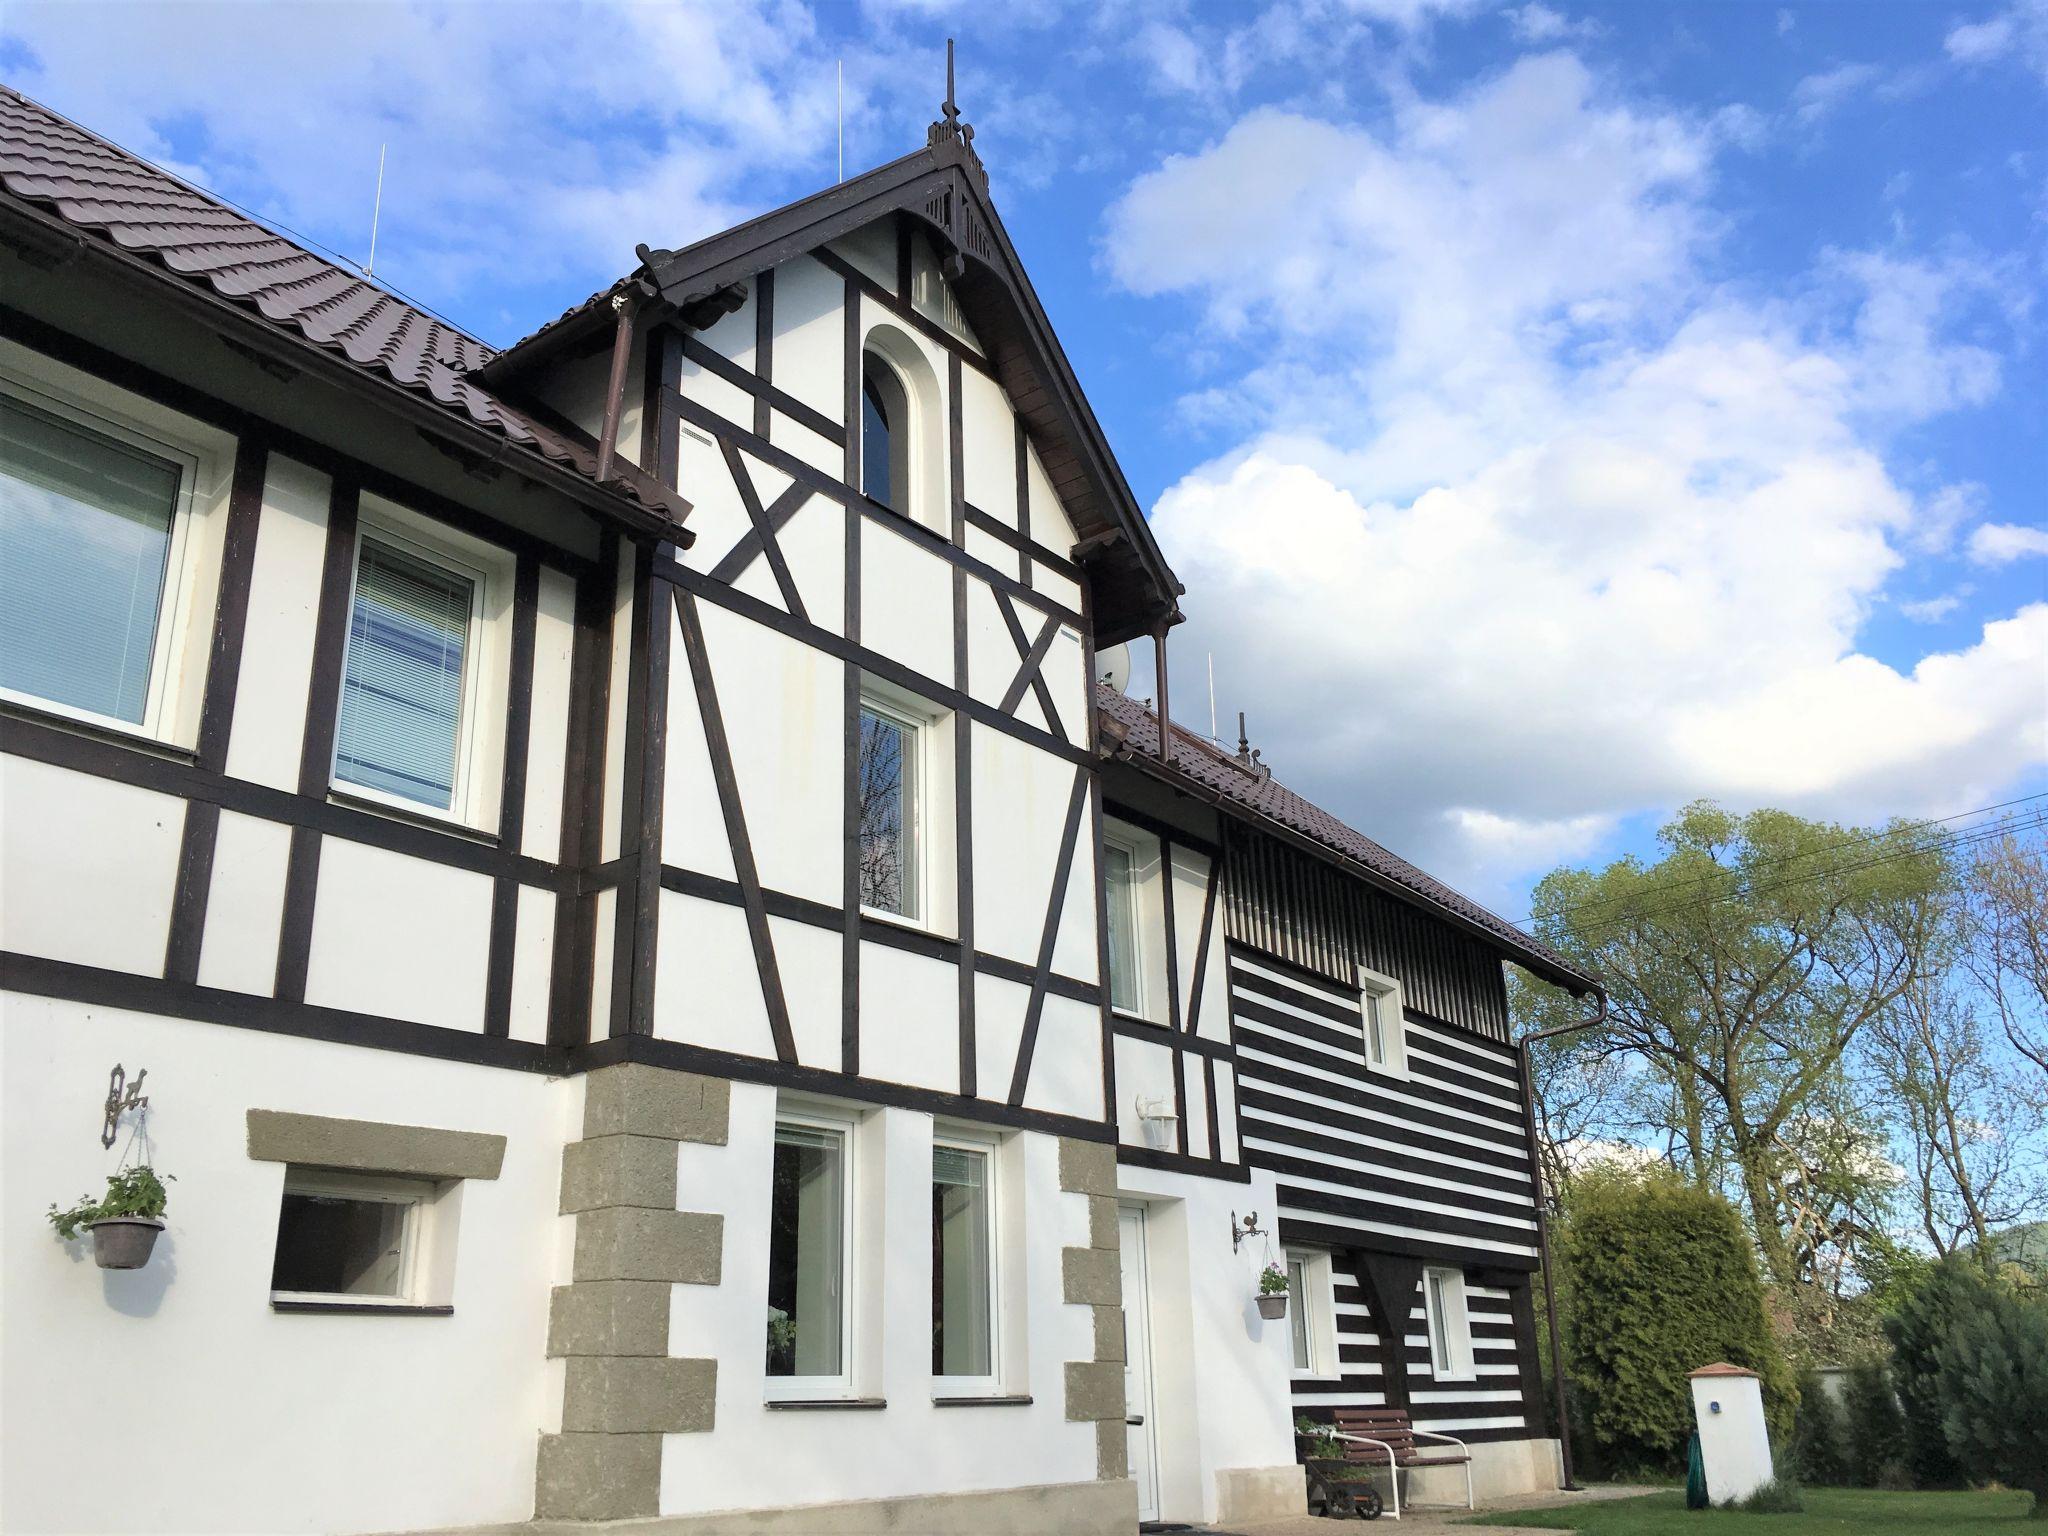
<point x="1663" y="1280"/>
<point x="1320" y="1441"/>
<point x="137" y="1192"/>
<point x="1273" y="1281"/>
<point x="1818" y="1452"/>
<point x="1875" y="1436"/>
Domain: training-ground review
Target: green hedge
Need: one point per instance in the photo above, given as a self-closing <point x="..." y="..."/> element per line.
<point x="1661" y="1280"/>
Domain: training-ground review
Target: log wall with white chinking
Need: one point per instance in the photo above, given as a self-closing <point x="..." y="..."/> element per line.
<point x="1388" y="1174"/>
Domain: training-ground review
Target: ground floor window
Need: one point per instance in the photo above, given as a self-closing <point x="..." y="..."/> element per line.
<point x="1311" y="1313"/>
<point x="963" y="1263"/>
<point x="1450" y="1327"/>
<point x="351" y="1237"/>
<point x="808" y="1257"/>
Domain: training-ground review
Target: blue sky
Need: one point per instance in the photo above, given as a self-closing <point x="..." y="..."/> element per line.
<point x="1556" y="414"/>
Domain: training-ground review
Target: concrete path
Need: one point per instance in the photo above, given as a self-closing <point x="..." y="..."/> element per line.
<point x="1434" y="1520"/>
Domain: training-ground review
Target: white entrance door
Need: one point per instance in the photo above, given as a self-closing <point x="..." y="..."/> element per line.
<point x="1141" y="1427"/>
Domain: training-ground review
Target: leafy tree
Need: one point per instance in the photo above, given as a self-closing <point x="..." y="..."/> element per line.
<point x="1741" y="967"/>
<point x="2007" y="948"/>
<point x="1875" y="1434"/>
<point x="1818" y="1454"/>
<point x="1662" y="1280"/>
<point x="1991" y="1375"/>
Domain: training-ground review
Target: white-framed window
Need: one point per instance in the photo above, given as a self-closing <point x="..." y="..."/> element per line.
<point x="1126" y="941"/>
<point x="1450" y="1326"/>
<point x="354" y="1239"/>
<point x="902" y="428"/>
<point x="895" y="823"/>
<point x="966" y="1264"/>
<point x="1312" y="1313"/>
<point x="810" y="1320"/>
<point x="102" y="495"/>
<point x="1383" y="1022"/>
<point x="423" y="681"/>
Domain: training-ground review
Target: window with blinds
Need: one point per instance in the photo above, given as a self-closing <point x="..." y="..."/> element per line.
<point x="403" y="685"/>
<point x="85" y="541"/>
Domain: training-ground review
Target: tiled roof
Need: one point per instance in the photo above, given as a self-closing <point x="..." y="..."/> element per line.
<point x="50" y="161"/>
<point x="1127" y="720"/>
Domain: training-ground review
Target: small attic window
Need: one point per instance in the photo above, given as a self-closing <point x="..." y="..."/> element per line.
<point x="885" y="432"/>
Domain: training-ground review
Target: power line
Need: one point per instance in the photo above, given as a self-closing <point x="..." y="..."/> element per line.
<point x="1854" y="839"/>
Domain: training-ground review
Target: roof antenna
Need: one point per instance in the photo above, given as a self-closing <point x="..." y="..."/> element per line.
<point x="376" y="213"/>
<point x="842" y="120"/>
<point x="1212" y="700"/>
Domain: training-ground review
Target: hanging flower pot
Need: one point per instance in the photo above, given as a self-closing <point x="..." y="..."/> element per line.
<point x="1272" y="1293"/>
<point x="123" y="1242"/>
<point x="124" y="1223"/>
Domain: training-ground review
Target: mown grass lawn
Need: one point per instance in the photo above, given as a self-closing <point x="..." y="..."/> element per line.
<point x="1828" y="1512"/>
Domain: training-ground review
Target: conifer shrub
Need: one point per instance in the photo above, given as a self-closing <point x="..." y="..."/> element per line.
<point x="1662" y="1280"/>
<point x="1916" y="1326"/>
<point x="1818" y="1453"/>
<point x="1991" y="1376"/>
<point x="1874" y="1432"/>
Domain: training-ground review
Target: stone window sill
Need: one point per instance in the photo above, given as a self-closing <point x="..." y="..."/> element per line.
<point x="824" y="1404"/>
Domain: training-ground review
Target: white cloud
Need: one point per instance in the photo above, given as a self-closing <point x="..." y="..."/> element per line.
<point x="2003" y="543"/>
<point x="527" y="143"/>
<point x="1537" y="23"/>
<point x="1821" y="95"/>
<point x="2020" y="32"/>
<point x="1583" y="532"/>
<point x="1932" y="610"/>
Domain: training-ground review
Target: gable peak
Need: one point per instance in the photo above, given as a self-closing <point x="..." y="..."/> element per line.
<point x="953" y="133"/>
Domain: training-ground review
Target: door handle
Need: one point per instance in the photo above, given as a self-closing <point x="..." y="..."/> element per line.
<point x="1135" y="1419"/>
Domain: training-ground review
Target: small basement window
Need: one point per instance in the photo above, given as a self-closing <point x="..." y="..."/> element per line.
<point x="354" y="1239"/>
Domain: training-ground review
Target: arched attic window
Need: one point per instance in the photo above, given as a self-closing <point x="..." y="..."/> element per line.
<point x="902" y="441"/>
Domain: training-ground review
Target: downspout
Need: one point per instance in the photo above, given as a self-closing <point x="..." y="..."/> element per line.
<point x="1165" y="708"/>
<point x="1564" y="1423"/>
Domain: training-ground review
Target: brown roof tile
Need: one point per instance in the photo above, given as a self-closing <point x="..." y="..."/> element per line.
<point x="48" y="160"/>
<point x="1130" y="721"/>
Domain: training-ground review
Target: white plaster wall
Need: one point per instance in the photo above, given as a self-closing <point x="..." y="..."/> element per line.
<point x="1066" y="1066"/>
<point x="909" y="1447"/>
<point x="398" y="936"/>
<point x="221" y="1415"/>
<point x="1144" y="1070"/>
<point x="277" y="644"/>
<point x="86" y="867"/>
<point x="1020" y="807"/>
<point x="245" y="904"/>
<point x="533" y="960"/>
<point x="909" y="1018"/>
<point x="706" y="988"/>
<point x="547" y="744"/>
<point x="1220" y="1370"/>
<point x="810" y="344"/>
<point x="906" y="605"/>
<point x="989" y="448"/>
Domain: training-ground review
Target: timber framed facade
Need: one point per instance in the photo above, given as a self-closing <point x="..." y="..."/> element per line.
<point x="620" y="833"/>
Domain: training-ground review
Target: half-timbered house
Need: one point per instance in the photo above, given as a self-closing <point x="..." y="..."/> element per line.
<point x="664" y="984"/>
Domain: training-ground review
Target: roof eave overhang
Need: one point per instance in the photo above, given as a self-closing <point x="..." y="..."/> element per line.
<point x="1531" y="960"/>
<point x="249" y="328"/>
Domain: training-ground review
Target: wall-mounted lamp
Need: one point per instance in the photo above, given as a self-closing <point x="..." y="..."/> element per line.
<point x="1159" y="1121"/>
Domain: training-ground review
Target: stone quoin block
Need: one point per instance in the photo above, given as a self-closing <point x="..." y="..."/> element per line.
<point x="652" y="1395"/>
<point x="609" y="1317"/>
<point x="1087" y="1167"/>
<point x="627" y="1243"/>
<point x="1109" y="1333"/>
<point x="1102" y="1227"/>
<point x="1095" y="1390"/>
<point x="1112" y="1449"/>
<point x="639" y="1100"/>
<point x="597" y="1477"/>
<point x="618" y="1170"/>
<point x="1091" y="1277"/>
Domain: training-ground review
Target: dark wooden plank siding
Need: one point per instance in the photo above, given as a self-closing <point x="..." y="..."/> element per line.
<point x="1305" y="911"/>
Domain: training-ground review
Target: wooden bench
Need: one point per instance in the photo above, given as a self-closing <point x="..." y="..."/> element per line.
<point x="1380" y="1437"/>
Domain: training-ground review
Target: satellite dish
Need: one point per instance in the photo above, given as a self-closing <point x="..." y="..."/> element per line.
<point x="1113" y="666"/>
